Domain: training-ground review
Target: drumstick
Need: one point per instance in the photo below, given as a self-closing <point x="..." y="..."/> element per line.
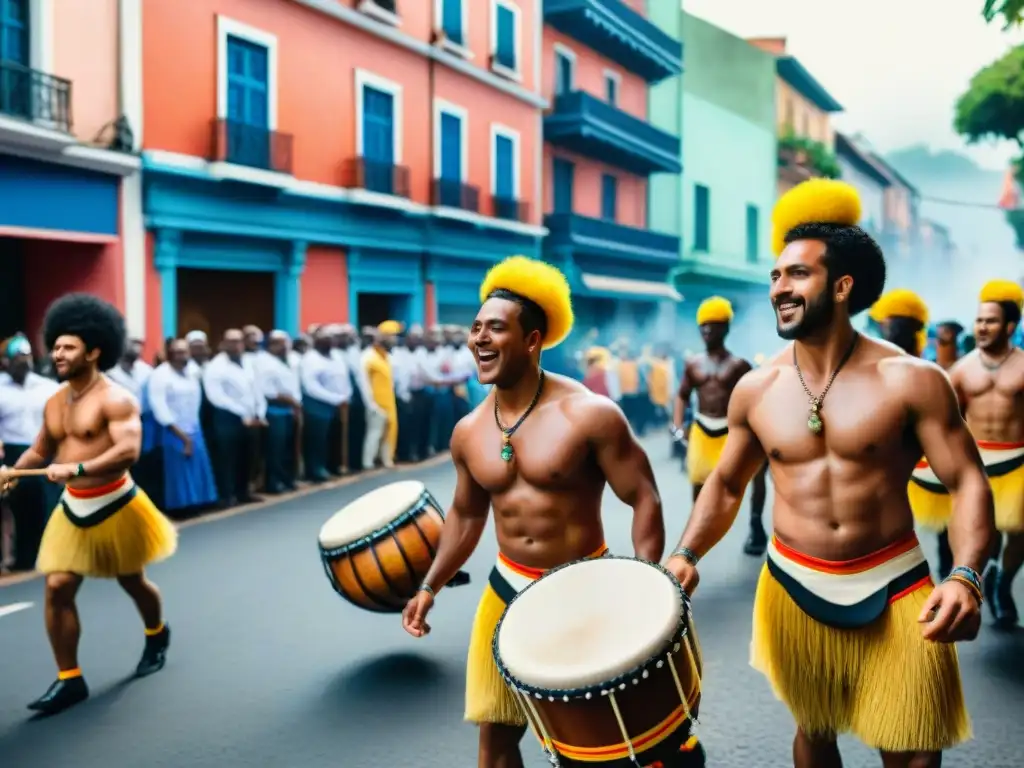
<point x="16" y="473"/>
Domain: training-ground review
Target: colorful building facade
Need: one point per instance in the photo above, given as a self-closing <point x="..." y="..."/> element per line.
<point x="355" y="161"/>
<point x="725" y="110"/>
<point x="67" y="173"/>
<point x="599" y="58"/>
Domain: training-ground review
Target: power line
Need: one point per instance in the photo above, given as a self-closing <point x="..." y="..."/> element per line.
<point x="963" y="203"/>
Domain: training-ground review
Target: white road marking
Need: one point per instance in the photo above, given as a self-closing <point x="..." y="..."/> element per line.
<point x="6" y="610"/>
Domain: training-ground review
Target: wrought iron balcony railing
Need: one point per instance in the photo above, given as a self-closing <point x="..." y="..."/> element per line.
<point x="252" y="146"/>
<point x="376" y="176"/>
<point x="35" y="96"/>
<point x="448" y="193"/>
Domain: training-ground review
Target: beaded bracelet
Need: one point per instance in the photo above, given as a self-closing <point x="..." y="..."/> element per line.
<point x="687" y="554"/>
<point x="968" y="573"/>
<point x="967" y="583"/>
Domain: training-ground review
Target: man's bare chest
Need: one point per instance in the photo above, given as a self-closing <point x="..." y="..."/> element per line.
<point x="555" y="463"/>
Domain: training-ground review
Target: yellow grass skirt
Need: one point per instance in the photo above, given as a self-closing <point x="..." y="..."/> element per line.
<point x="931" y="510"/>
<point x="702" y="453"/>
<point x="884" y="683"/>
<point x="130" y="539"/>
<point x="488" y="698"/>
<point x="1008" y="494"/>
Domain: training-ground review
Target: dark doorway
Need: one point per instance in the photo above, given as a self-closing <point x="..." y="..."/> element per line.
<point x="214" y="300"/>
<point x="374" y="308"/>
<point x="12" y="288"/>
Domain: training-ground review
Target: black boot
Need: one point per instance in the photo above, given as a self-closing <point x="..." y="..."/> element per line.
<point x="757" y="541"/>
<point x="1004" y="605"/>
<point x="62" y="695"/>
<point x="989" y="583"/>
<point x="154" y="656"/>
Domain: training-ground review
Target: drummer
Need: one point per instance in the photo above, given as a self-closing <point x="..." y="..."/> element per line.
<point x="540" y="449"/>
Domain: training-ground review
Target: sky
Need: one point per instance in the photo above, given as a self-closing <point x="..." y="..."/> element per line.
<point x="896" y="66"/>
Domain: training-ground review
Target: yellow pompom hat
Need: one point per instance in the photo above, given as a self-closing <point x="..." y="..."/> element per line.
<point x="816" y="201"/>
<point x="542" y="284"/>
<point x="714" y="310"/>
<point x="900" y="302"/>
<point x="1002" y="290"/>
<point x="390" y="328"/>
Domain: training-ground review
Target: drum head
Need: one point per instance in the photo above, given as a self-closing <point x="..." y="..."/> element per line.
<point x="370" y="513"/>
<point x="588" y="623"/>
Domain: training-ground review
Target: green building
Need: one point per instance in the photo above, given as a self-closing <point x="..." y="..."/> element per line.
<point x="723" y="108"/>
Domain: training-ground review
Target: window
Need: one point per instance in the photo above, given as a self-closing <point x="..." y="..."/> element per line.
<point x="505" y="38"/>
<point x="701" y="218"/>
<point x="246" y="94"/>
<point x="612" y="83"/>
<point x="563" y="181"/>
<point x="451" y="152"/>
<point x="609" y="197"/>
<point x="378" y="130"/>
<point x="505" y="172"/>
<point x="14" y="21"/>
<point x="565" y="70"/>
<point x="753" y="235"/>
<point x="453" y="20"/>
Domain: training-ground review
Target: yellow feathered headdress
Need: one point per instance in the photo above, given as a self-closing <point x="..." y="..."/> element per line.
<point x="542" y="284"/>
<point x="1002" y="290"/>
<point x="900" y="302"/>
<point x="714" y="310"/>
<point x="389" y="328"/>
<point x="816" y="201"/>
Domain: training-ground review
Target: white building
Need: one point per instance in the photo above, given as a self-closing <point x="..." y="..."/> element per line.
<point x="869" y="177"/>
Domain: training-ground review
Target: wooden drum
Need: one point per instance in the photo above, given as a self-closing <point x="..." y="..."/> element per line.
<point x="377" y="550"/>
<point x="604" y="660"/>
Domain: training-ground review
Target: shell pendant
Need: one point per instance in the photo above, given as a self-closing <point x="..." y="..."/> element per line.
<point x="814" y="422"/>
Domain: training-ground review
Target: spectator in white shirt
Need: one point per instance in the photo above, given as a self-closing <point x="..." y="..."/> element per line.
<point x="23" y="396"/>
<point x="239" y="411"/>
<point x="280" y="383"/>
<point x="326" y="394"/>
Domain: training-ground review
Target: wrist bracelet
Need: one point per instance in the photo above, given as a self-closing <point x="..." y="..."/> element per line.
<point x="687" y="554"/>
<point x="969" y="574"/>
<point x="972" y="588"/>
<point x="424" y="587"/>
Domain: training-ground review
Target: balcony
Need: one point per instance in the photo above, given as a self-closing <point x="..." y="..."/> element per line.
<point x="375" y="176"/>
<point x="35" y="108"/>
<point x="601" y="238"/>
<point x="510" y="209"/>
<point x="616" y="31"/>
<point x="594" y="128"/>
<point x="446" y="193"/>
<point x="251" y="146"/>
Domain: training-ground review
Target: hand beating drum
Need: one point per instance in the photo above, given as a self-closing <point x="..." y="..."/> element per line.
<point x="604" y="660"/>
<point x="377" y="550"/>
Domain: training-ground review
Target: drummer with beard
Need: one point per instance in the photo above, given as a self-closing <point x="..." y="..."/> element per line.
<point x="540" y="449"/>
<point x="713" y="376"/>
<point x="843" y="420"/>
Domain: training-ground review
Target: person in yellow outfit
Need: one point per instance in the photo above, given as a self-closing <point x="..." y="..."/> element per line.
<point x="903" y="318"/>
<point x="990" y="384"/>
<point x="381" y="422"/>
<point x="661" y="384"/>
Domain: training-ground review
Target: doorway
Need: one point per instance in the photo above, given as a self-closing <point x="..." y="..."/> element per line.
<point x="213" y="300"/>
<point x="12" y="288"/>
<point x="374" y="308"/>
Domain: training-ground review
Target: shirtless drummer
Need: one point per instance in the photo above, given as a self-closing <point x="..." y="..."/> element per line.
<point x="713" y="376"/>
<point x="846" y="581"/>
<point x="105" y="526"/>
<point x="540" y="450"/>
<point x="990" y="383"/>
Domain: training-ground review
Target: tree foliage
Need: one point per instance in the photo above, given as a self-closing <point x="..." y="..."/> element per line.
<point x="1012" y="11"/>
<point x="993" y="106"/>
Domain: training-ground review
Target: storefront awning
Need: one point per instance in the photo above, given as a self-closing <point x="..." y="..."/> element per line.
<point x="628" y="287"/>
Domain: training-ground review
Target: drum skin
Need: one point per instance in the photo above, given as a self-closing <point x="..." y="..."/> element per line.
<point x="382" y="571"/>
<point x="646" y="697"/>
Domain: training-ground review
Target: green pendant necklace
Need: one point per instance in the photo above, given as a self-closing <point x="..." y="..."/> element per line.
<point x="814" y="422"/>
<point x="507" y="452"/>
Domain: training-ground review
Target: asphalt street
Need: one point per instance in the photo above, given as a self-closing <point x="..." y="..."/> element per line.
<point x="268" y="667"/>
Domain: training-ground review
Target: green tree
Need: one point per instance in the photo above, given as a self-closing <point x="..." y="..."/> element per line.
<point x="1012" y="11"/>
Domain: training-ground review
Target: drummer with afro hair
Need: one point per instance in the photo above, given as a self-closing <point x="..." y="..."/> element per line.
<point x="540" y="449"/>
<point x="104" y="526"/>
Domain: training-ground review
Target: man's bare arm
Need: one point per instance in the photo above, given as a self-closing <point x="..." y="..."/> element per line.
<point x="465" y="521"/>
<point x="955" y="377"/>
<point x="121" y="412"/>
<point x="43" y="449"/>
<point x="953" y="456"/>
<point x="628" y="471"/>
<point x="683" y="396"/>
<point x="721" y="495"/>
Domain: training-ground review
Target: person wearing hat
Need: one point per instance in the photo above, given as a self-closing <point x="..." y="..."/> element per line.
<point x="848" y="627"/>
<point x="990" y="381"/>
<point x="382" y="421"/>
<point x="947" y="343"/>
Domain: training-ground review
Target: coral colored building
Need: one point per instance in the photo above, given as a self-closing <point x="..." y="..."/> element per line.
<point x="600" y="149"/>
<point x="69" y="213"/>
<point x="358" y="160"/>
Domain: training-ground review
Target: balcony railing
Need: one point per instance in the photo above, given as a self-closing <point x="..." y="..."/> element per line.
<point x="594" y="128"/>
<point x="376" y="176"/>
<point x="606" y="238"/>
<point x="35" y="96"/>
<point x="511" y="209"/>
<point x="447" y="193"/>
<point x="252" y="146"/>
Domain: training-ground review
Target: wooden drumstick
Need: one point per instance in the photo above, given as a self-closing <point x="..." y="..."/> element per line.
<point x="14" y="474"/>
